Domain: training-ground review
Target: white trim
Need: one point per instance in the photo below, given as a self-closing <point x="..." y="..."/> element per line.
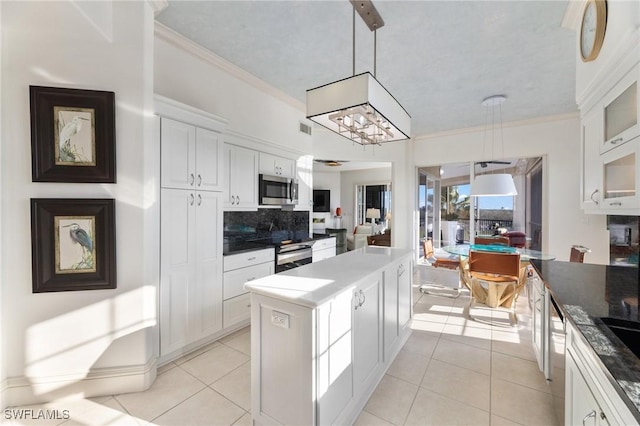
<point x="527" y="122"/>
<point x="573" y="15"/>
<point x="158" y="6"/>
<point x="261" y="145"/>
<point x="18" y="391"/>
<point x="169" y="108"/>
<point x="165" y="33"/>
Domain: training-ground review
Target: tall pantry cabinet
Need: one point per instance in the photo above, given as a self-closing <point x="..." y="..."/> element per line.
<point x="191" y="199"/>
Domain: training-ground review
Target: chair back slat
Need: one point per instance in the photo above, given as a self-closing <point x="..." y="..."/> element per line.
<point x="494" y="263"/>
<point x="499" y="239"/>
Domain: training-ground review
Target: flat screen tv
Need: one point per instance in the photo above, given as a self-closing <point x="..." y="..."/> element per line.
<point x="321" y="200"/>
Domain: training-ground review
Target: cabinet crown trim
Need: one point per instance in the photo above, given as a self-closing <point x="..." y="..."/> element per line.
<point x="166" y="107"/>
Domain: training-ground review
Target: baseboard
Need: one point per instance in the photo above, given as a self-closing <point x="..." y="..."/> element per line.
<point x="18" y="391"/>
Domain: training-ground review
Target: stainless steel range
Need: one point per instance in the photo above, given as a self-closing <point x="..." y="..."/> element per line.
<point x="290" y="255"/>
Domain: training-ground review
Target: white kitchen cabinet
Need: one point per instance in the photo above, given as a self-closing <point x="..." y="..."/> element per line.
<point x="275" y="165"/>
<point x="241" y="172"/>
<point x="239" y="269"/>
<point x="620" y="108"/>
<point x="304" y="173"/>
<point x="591" y="170"/>
<point x="323" y="249"/>
<point x="320" y="363"/>
<point x="190" y="267"/>
<point x="590" y="397"/>
<point x="367" y="336"/>
<point x="620" y="178"/>
<point x="540" y="327"/>
<point x="191" y="157"/>
<point x="397" y="303"/>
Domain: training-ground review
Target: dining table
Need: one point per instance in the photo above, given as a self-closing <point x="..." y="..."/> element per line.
<point x="525" y="254"/>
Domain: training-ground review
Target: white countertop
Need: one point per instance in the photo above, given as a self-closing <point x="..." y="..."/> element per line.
<point x="313" y="284"/>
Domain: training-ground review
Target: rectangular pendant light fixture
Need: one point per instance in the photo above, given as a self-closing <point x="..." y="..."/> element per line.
<point x="359" y="107"/>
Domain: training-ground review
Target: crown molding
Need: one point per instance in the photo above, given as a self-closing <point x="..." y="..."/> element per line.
<point x="573" y="15"/>
<point x="520" y="123"/>
<point x="158" y="6"/>
<point x="167" y="34"/>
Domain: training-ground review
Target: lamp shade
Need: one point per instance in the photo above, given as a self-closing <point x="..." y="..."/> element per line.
<point x="493" y="185"/>
<point x="360" y="109"/>
<point x="373" y="213"/>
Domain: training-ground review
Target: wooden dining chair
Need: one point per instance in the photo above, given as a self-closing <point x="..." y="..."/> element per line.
<point x="577" y="253"/>
<point x="432" y="260"/>
<point x="498" y="239"/>
<point x="495" y="280"/>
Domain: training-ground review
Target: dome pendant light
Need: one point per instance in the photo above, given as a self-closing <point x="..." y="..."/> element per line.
<point x="498" y="184"/>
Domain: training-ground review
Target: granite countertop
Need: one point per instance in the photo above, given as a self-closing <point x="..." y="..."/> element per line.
<point x="313" y="284"/>
<point x="585" y="293"/>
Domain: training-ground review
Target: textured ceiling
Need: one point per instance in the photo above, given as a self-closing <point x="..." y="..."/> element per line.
<point x="439" y="59"/>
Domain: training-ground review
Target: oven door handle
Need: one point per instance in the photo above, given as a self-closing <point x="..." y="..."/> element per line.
<point x="294" y="256"/>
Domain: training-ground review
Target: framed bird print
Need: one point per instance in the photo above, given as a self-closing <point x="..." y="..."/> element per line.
<point x="73" y="244"/>
<point x="72" y="135"/>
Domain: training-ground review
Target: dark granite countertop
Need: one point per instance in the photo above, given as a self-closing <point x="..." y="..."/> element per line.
<point x="585" y="293"/>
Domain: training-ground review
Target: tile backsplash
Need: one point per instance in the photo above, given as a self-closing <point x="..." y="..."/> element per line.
<point x="274" y="224"/>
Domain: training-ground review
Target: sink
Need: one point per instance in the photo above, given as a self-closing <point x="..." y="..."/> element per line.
<point x="627" y="331"/>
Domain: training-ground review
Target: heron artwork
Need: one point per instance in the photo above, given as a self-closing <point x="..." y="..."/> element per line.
<point x="68" y="152"/>
<point x="80" y="236"/>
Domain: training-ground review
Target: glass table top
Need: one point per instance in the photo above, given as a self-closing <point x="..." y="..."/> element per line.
<point x="525" y="254"/>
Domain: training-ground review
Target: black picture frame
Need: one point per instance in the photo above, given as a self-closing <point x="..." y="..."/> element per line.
<point x="86" y="121"/>
<point x="73" y="244"/>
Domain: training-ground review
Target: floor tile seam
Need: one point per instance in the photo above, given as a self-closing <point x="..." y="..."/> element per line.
<point x="237" y="350"/>
<point x="457" y="402"/>
<point x="228" y="399"/>
<point x="176" y="405"/>
<point x="377" y="417"/>
<point x="459" y="366"/>
<point x="236" y="421"/>
<point x="462" y="343"/>
<point x="524" y="386"/>
<point x="413" y="401"/>
<point x="231" y="371"/>
<point x="520" y="357"/>
<point x="193" y="375"/>
<point x="201" y="351"/>
<point x="125" y="410"/>
<point x="460" y="400"/>
<point x="444" y="336"/>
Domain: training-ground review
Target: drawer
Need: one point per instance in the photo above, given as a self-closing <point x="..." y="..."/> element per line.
<point x="236" y="310"/>
<point x="319" y="255"/>
<point x="234" y="280"/>
<point x="324" y="243"/>
<point x="249" y="258"/>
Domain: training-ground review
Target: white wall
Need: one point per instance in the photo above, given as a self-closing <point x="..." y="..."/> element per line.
<point x="555" y="138"/>
<point x="330" y="181"/>
<point x="56" y="339"/>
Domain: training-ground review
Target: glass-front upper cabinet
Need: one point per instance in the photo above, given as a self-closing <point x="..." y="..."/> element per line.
<point x="620" y="178"/>
<point x="621" y="112"/>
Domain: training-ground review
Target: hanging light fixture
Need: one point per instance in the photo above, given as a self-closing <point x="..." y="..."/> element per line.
<point x="359" y="107"/>
<point x="493" y="184"/>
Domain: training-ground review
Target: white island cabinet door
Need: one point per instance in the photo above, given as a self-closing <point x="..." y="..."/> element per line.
<point x="178" y="154"/>
<point x="366" y="334"/>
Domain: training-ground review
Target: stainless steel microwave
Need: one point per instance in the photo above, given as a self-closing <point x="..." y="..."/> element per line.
<point x="277" y="191"/>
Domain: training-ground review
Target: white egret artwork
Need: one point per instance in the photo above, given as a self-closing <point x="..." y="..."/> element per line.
<point x="75" y="244"/>
<point x="75" y="136"/>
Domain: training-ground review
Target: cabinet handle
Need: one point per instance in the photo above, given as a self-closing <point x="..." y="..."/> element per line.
<point x="251" y="258"/>
<point x="191" y="179"/>
<point x="594" y="193"/>
<point x="191" y="199"/>
<point x="615" y="141"/>
<point x="199" y="199"/>
<point x="591" y="414"/>
<point x="251" y="279"/>
<point x="249" y="305"/>
<point x="602" y="415"/>
<point x="615" y="203"/>
<point x="237" y="199"/>
<point x="364" y="298"/>
<point x="199" y="180"/>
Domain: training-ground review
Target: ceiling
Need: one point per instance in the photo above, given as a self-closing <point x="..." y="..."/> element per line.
<point x="439" y="59"/>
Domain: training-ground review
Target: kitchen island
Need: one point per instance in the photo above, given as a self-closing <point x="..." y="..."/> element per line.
<point x="585" y="293"/>
<point x="323" y="335"/>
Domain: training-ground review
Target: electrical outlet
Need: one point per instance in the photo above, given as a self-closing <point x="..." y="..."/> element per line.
<point x="279" y="319"/>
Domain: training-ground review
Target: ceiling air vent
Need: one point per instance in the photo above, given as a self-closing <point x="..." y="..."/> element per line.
<point x="305" y="128"/>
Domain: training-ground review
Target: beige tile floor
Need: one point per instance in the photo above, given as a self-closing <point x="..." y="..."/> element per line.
<point x="451" y="371"/>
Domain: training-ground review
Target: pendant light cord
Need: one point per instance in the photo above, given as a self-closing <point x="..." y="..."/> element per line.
<point x="353" y="70"/>
<point x="375" y="46"/>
